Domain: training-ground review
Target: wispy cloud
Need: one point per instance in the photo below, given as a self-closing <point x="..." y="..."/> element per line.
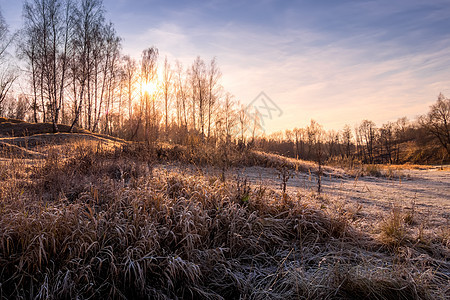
<point x="337" y="62"/>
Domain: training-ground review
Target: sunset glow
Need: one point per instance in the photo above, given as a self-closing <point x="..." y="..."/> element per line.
<point x="150" y="87"/>
<point x="362" y="59"/>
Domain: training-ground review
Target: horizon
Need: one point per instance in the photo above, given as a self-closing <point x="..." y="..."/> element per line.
<point x="372" y="60"/>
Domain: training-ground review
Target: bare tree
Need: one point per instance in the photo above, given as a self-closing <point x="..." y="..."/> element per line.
<point x="88" y="18"/>
<point x="228" y="118"/>
<point x="243" y="123"/>
<point x="367" y="132"/>
<point x="167" y="92"/>
<point x="7" y="79"/>
<point x="399" y="128"/>
<point x="299" y="141"/>
<point x="131" y="73"/>
<point x="148" y="74"/>
<point x="48" y="29"/>
<point x="7" y="74"/>
<point x="437" y="121"/>
<point x="347" y="139"/>
<point x="256" y="126"/>
<point x="316" y="137"/>
<point x="214" y="75"/>
<point x="27" y="50"/>
<point x="199" y="93"/>
<point x="387" y="141"/>
<point x="181" y="96"/>
<point x="109" y="75"/>
<point x="333" y="140"/>
<point x="5" y="39"/>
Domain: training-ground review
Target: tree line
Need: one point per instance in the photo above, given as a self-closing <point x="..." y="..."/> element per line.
<point x="425" y="140"/>
<point x="76" y="74"/>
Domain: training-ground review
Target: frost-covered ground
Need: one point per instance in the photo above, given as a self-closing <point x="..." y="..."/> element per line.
<point x="427" y="192"/>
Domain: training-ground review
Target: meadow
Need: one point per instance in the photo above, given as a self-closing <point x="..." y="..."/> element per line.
<point x="90" y="216"/>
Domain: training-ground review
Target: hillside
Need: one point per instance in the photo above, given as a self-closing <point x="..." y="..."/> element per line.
<point x="19" y="128"/>
<point x="33" y="140"/>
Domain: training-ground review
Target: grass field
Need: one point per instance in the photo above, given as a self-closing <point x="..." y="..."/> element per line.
<point x="85" y="216"/>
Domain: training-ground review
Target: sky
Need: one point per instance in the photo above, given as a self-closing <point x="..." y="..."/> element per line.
<point x="337" y="62"/>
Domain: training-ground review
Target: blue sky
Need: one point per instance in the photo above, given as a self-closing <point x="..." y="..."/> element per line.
<point x="335" y="61"/>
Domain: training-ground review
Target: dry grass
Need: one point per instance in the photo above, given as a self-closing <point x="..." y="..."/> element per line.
<point x="203" y="154"/>
<point x="32" y="140"/>
<point x="9" y="150"/>
<point x="357" y="169"/>
<point x="431" y="153"/>
<point x="274" y="161"/>
<point x="393" y="227"/>
<point x="100" y="222"/>
<point x="407" y="166"/>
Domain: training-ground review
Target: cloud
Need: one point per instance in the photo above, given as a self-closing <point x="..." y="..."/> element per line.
<point x="335" y="61"/>
<point x="355" y="60"/>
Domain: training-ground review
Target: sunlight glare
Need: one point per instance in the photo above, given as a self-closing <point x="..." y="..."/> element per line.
<point x="149" y="87"/>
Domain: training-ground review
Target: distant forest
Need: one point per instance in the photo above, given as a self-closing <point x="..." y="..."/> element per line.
<point x="76" y="74"/>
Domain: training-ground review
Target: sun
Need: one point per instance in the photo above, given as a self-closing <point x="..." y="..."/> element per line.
<point x="149" y="87"/>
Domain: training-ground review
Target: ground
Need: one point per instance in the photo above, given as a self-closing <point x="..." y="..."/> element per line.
<point x="428" y="191"/>
<point x="422" y="191"/>
<point x="84" y="216"/>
